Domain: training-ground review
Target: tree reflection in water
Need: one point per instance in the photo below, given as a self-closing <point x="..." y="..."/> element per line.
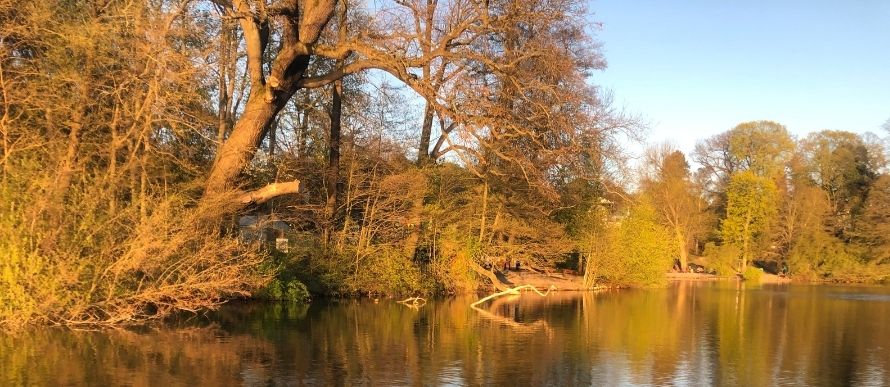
<point x="689" y="333"/>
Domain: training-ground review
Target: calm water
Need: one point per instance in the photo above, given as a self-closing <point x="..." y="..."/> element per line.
<point x="688" y="334"/>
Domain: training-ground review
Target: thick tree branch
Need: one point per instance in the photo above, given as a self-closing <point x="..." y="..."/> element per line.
<point x="336" y="74"/>
<point x="253" y="40"/>
<point x="269" y="192"/>
<point x="437" y="149"/>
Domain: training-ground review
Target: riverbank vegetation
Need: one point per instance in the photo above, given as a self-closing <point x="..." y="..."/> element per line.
<point x="170" y="154"/>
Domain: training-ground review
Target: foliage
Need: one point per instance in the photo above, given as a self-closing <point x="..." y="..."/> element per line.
<point x="841" y="165"/>
<point x="751" y="207"/>
<point x="874" y="225"/>
<point x="291" y="291"/>
<point x="667" y="182"/>
<point x="813" y="205"/>
<point x="126" y="271"/>
<point x="636" y="251"/>
<point x="723" y="258"/>
<point x="753" y="274"/>
<point x="103" y="147"/>
<point x="760" y="147"/>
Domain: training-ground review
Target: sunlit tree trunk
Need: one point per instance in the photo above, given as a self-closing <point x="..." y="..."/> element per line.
<point x="301" y="29"/>
<point x="682" y="249"/>
<point x="423" y="155"/>
<point x="332" y="175"/>
<point x="484" y="210"/>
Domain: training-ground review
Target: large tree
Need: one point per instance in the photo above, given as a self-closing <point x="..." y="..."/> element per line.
<point x="874" y="225"/>
<point x="763" y="147"/>
<point x="843" y="166"/>
<point x="676" y="198"/>
<point x="500" y="68"/>
<point x="750" y="210"/>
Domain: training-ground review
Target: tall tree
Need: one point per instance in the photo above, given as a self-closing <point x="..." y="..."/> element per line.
<point x="841" y="165"/>
<point x="677" y="200"/>
<point x="763" y="147"/>
<point x="751" y="207"/>
<point x="874" y="225"/>
<point x="540" y="45"/>
<point x="298" y="29"/>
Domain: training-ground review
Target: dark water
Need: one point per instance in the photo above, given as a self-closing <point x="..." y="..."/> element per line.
<point x="688" y="334"/>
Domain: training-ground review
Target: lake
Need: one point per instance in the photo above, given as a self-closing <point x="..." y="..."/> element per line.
<point x="690" y="333"/>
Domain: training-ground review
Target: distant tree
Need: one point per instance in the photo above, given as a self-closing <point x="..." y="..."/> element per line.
<point x="762" y="147"/>
<point x="677" y="200"/>
<point x="751" y="207"/>
<point x="874" y="225"/>
<point x="842" y="165"/>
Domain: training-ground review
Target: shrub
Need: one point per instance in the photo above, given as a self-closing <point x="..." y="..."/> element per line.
<point x="753" y="274"/>
<point x="285" y="290"/>
<point x="635" y="252"/>
<point x="723" y="258"/>
<point x="136" y="267"/>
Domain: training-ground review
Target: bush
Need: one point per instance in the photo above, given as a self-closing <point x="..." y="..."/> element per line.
<point x="753" y="274"/>
<point x="723" y="258"/>
<point x="636" y="252"/>
<point x="285" y="290"/>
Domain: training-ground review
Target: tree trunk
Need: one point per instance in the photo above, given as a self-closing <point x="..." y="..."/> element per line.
<point x="423" y="150"/>
<point x="303" y="130"/>
<point x="488" y="274"/>
<point x="332" y="175"/>
<point x="273" y="139"/>
<point x="484" y="209"/>
<point x="745" y="242"/>
<point x="684" y="254"/>
<point x="238" y="150"/>
<point x="270" y="94"/>
<point x="223" y="104"/>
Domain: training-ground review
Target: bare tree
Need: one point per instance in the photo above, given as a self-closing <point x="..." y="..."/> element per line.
<point x="677" y="200"/>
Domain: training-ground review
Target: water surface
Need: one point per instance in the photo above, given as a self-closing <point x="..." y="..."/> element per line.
<point x="718" y="333"/>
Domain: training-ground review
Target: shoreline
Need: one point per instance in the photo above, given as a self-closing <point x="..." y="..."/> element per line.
<point x="765" y="278"/>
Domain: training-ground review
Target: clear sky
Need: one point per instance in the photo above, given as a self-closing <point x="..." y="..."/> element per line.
<point x="692" y="69"/>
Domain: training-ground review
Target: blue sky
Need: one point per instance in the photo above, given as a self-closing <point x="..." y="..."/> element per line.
<point x="692" y="69"/>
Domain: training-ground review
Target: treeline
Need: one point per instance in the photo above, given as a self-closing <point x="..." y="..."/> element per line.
<point x="815" y="208"/>
<point x="408" y="147"/>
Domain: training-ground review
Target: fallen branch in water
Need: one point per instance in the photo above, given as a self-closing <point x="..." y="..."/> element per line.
<point x="514" y="291"/>
<point x="413" y="302"/>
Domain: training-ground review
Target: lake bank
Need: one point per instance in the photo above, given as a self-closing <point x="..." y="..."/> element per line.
<point x="765" y="278"/>
<point x="567" y="281"/>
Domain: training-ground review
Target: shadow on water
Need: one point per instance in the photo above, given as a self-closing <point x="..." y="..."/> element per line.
<point x="687" y="334"/>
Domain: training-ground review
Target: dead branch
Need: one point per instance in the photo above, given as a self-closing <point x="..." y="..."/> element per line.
<point x="270" y="191"/>
<point x="413" y="302"/>
<point x="514" y="291"/>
